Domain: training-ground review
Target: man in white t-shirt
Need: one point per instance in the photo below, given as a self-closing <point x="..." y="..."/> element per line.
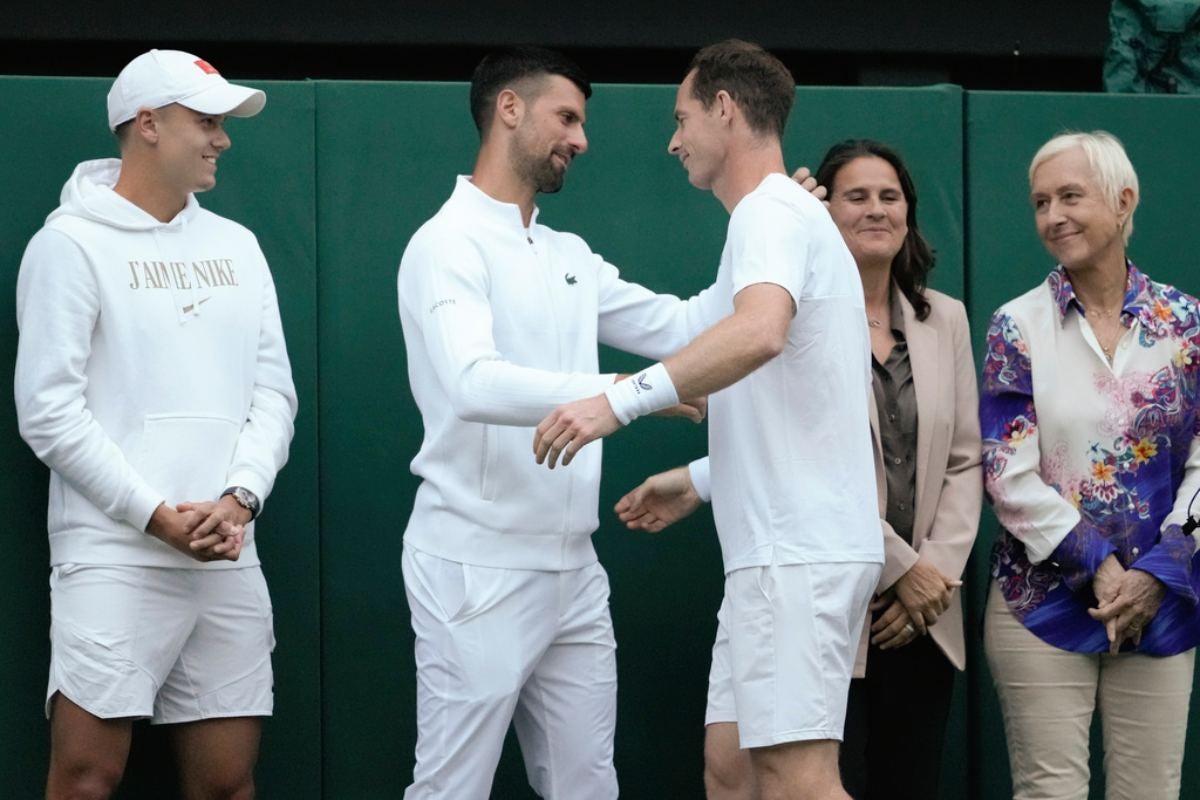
<point x="502" y="316"/>
<point x="786" y="362"/>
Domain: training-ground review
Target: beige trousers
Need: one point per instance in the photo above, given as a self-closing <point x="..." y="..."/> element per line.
<point x="1047" y="696"/>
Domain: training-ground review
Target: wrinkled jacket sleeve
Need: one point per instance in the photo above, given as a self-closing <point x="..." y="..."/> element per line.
<point x="956" y="521"/>
<point x="444" y="287"/>
<point x="638" y="321"/>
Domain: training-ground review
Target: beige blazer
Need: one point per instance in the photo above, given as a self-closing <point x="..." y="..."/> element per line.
<point x="949" y="475"/>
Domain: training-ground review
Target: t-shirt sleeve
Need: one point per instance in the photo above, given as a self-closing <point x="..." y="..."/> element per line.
<point x="768" y="243"/>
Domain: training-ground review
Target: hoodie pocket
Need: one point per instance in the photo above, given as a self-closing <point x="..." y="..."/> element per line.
<point x="186" y="457"/>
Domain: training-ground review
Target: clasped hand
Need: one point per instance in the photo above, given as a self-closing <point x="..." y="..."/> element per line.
<point x="1127" y="601"/>
<point x="206" y="531"/>
<point x="911" y="605"/>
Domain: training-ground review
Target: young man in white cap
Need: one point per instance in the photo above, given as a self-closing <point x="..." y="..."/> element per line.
<point x="153" y="380"/>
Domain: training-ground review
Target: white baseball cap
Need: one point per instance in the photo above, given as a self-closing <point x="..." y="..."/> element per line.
<point x="161" y="77"/>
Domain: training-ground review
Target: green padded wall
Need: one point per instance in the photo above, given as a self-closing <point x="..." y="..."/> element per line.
<point x="47" y="146"/>
<point x="266" y="182"/>
<point x="334" y="177"/>
<point x="1006" y="258"/>
<point x="387" y="156"/>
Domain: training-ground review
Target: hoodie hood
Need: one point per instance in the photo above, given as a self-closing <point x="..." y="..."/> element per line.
<point x="89" y="194"/>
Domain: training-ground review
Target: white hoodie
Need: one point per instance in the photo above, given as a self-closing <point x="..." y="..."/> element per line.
<point x="151" y="368"/>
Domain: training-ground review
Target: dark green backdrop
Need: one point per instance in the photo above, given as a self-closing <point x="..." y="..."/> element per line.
<point x="334" y="177"/>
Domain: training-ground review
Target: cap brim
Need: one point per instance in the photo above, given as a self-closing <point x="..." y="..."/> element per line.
<point x="228" y="99"/>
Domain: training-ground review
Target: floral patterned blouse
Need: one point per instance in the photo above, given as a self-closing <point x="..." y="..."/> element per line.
<point x="1083" y="458"/>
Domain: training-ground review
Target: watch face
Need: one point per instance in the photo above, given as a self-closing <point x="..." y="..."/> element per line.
<point x="246" y="499"/>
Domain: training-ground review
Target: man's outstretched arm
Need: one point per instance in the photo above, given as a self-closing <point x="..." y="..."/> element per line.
<point x="665" y="498"/>
<point x="751" y="336"/>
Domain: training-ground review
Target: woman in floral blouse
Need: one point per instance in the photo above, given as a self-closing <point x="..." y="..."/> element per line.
<point x="1091" y="456"/>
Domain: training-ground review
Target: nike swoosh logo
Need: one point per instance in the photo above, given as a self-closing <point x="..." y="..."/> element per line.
<point x="188" y="308"/>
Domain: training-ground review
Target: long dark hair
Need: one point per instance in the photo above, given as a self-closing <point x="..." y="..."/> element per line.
<point x="911" y="266"/>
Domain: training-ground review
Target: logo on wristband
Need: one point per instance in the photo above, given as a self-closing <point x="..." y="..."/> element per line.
<point x="570" y="279"/>
<point x="641" y="383"/>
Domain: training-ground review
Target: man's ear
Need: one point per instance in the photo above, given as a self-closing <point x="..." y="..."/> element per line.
<point x="725" y="105"/>
<point x="510" y="108"/>
<point x="145" y="125"/>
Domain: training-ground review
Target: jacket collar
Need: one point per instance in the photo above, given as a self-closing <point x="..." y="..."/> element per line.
<point x="485" y="207"/>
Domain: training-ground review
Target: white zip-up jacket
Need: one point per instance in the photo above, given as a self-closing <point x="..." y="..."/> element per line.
<point x="151" y="368"/>
<point x="501" y="324"/>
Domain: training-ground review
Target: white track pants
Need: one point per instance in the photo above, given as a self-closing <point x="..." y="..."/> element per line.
<point x="494" y="645"/>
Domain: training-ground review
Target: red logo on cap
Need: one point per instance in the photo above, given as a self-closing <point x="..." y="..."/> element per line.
<point x="208" y="68"/>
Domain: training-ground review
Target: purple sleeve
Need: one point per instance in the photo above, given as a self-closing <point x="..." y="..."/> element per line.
<point x="1006" y="412"/>
<point x="1080" y="554"/>
<point x="1170" y="560"/>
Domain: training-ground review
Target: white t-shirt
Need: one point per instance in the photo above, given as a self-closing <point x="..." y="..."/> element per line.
<point x="790" y="444"/>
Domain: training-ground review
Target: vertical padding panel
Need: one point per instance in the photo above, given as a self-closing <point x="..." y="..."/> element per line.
<point x="387" y="155"/>
<point x="54" y="123"/>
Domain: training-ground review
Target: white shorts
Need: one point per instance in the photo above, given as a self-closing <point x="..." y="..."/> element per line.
<point x="785" y="647"/>
<point x="174" y="645"/>
<point x="530" y="647"/>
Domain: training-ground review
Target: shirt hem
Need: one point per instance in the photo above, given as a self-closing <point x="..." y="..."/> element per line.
<point x="506" y="550"/>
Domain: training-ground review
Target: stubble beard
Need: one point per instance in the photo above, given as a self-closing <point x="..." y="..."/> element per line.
<point x="537" y="170"/>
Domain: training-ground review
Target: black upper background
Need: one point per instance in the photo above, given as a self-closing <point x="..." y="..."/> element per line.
<point x="1007" y="44"/>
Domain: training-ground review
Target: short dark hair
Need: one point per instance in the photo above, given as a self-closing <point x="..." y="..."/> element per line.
<point x="756" y="80"/>
<point x="911" y="266"/>
<point x="122" y="131"/>
<point x="499" y="70"/>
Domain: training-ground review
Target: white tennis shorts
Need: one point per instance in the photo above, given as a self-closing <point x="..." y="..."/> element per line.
<point x="784" y="653"/>
<point x="174" y="645"/>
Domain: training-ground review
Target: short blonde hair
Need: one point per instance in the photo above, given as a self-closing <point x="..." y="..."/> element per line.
<point x="1110" y="166"/>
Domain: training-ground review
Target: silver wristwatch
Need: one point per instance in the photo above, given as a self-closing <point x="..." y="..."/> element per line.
<point x="245" y="498"/>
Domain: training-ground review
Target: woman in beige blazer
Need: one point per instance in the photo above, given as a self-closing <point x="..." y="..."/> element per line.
<point x="928" y="480"/>
<point x="925" y="423"/>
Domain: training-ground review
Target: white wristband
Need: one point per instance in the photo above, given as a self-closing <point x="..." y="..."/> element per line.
<point x="642" y="393"/>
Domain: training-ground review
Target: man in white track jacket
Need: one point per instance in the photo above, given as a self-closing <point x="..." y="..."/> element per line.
<point x="501" y="318"/>
<point x="153" y="380"/>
